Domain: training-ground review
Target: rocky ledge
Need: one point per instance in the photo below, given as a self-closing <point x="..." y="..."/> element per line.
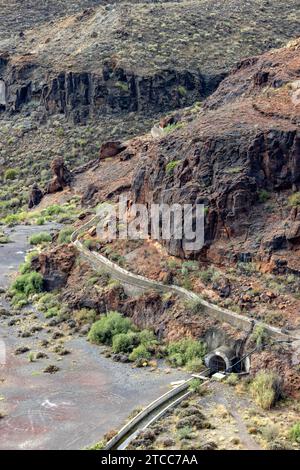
<point x="134" y="56"/>
<point x="240" y="157"/>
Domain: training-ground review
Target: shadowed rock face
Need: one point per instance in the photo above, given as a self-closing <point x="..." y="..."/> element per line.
<point x="244" y="141"/>
<point x="35" y="197"/>
<point x="137" y="56"/>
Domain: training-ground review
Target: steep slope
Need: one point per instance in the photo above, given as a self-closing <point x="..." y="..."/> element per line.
<point x="75" y="74"/>
<point x="147" y="57"/>
<point x="240" y="157"/>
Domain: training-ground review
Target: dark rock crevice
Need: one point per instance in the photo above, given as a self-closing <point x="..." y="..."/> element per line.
<point x="84" y="95"/>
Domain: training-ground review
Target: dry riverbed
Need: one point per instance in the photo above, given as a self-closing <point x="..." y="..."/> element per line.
<point x="57" y="391"/>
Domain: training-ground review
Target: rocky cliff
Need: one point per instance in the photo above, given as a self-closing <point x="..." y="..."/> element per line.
<point x="135" y="56"/>
<point x="240" y="157"/>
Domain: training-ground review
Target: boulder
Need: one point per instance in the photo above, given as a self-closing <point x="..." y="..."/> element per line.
<point x="111" y="149"/>
<point x="62" y="177"/>
<point x="35" y="196"/>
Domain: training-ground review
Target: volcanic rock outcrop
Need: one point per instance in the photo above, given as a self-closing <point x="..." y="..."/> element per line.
<point x="55" y="266"/>
<point x="241" y="152"/>
<point x="131" y="56"/>
<point x="111" y="149"/>
<point x="35" y="196"/>
<point x="62" y="176"/>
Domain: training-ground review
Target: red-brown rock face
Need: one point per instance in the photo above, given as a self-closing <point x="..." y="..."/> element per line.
<point x="245" y="141"/>
<point x="62" y="176"/>
<point x="55" y="266"/>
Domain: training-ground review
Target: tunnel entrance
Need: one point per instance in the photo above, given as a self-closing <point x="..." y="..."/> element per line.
<point x="217" y="364"/>
<point x="220" y="360"/>
<point x="224" y="359"/>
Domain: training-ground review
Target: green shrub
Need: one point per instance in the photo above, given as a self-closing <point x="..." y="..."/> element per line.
<point x="98" y="446"/>
<point x="122" y="86"/>
<point x="195" y="385"/>
<point x="295" y="432"/>
<point x="266" y="389"/>
<point x="55" y="209"/>
<point x="124" y="342"/>
<point x="232" y="379"/>
<point x="176" y="359"/>
<point x="103" y="330"/>
<point x="170" y="167"/>
<point x="88" y="243"/>
<point x="195" y="365"/>
<point x="263" y="196"/>
<point x="40" y="221"/>
<point x="19" y="300"/>
<point x="14" y="219"/>
<point x="182" y="90"/>
<point x="39" y="238"/>
<point x="4" y="239"/>
<point x="140" y="353"/>
<point x="10" y="174"/>
<point x="194" y="306"/>
<point x="294" y="200"/>
<point x="65" y="235"/>
<point x="259" y="335"/>
<point x="270" y="432"/>
<point x="182" y="352"/>
<point x="86" y="315"/>
<point x="209" y="275"/>
<point x="26" y="266"/>
<point x="27" y="284"/>
<point x="147" y="338"/>
<point x="52" y="312"/>
<point x="185" y="433"/>
<point x="47" y="301"/>
<point x="190" y="265"/>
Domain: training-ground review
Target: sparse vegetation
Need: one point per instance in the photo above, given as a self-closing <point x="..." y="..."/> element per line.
<point x="40" y="238"/>
<point x="232" y="379"/>
<point x="208" y="275"/>
<point x="10" y="174"/>
<point x="195" y="385"/>
<point x="295" y="432"/>
<point x="103" y="330"/>
<point x="263" y="195"/>
<point x="65" y="235"/>
<point x="266" y="389"/>
<point x="185" y="433"/>
<point x="294" y="200"/>
<point x="170" y="167"/>
<point x="259" y="335"/>
<point x="195" y="306"/>
<point x="184" y="352"/>
<point x="4" y="239"/>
